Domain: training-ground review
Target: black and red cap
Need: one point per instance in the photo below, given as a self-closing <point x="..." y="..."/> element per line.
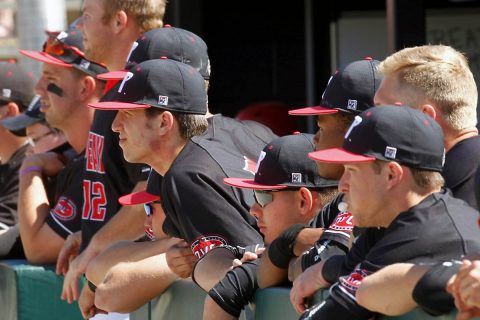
<point x="350" y="89"/>
<point x="18" y="124"/>
<point x="152" y="192"/>
<point x="391" y="133"/>
<point x="283" y="164"/>
<point x="160" y="83"/>
<point x="66" y="50"/>
<point x="16" y="84"/>
<point x="173" y="43"/>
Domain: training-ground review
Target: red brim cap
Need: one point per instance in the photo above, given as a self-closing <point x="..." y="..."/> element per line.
<point x="114" y="105"/>
<point x="45" y="57"/>
<point x="250" y="184"/>
<point x="140" y="197"/>
<point x="338" y="155"/>
<point x="112" y="75"/>
<point x="310" y="111"/>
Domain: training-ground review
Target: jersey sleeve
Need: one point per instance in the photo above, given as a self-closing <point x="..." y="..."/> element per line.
<point x="205" y="212"/>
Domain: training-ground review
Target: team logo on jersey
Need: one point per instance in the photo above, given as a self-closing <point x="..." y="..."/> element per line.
<point x="203" y="244"/>
<point x="94" y="153"/>
<point x="250" y="165"/>
<point x="349" y="284"/>
<point x="65" y="209"/>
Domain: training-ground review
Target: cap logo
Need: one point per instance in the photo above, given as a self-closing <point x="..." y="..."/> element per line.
<point x="352" y="104"/>
<point x="62" y="35"/>
<point x="6" y="93"/>
<point x="134" y="46"/>
<point x="390" y="152"/>
<point x="127" y="77"/>
<point x="355" y="123"/>
<point x="260" y="158"/>
<point x="296" y="177"/>
<point x="33" y="103"/>
<point x="84" y="64"/>
<point x="163" y="100"/>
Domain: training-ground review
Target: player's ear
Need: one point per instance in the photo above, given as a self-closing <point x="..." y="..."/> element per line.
<point x="429" y="110"/>
<point x="119" y="21"/>
<point x="13" y="109"/>
<point x="87" y="88"/>
<point x="165" y="122"/>
<point x="305" y="200"/>
<point x="395" y="173"/>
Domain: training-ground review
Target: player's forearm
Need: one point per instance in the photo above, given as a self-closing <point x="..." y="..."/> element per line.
<point x="122" y="252"/>
<point x="389" y="291"/>
<point x="128" y="286"/>
<point x="269" y="275"/>
<point x="33" y="208"/>
<point x="306" y="239"/>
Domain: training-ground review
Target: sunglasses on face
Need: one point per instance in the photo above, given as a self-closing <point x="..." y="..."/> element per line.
<point x="263" y="197"/>
<point x="148" y="207"/>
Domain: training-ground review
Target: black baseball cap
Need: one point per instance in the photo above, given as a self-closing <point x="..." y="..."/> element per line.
<point x="350" y="89"/>
<point x="160" y="83"/>
<point x="174" y="43"/>
<point x="30" y="116"/>
<point x="390" y="133"/>
<point x="152" y="193"/>
<point x="66" y="50"/>
<point x="283" y="164"/>
<point x="15" y="84"/>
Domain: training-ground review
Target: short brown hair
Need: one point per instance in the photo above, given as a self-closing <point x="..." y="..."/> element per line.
<point x="435" y="74"/>
<point x="189" y="124"/>
<point x="148" y="14"/>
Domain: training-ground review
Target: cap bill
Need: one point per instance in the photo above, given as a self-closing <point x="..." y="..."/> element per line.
<point x="309" y="111"/>
<point x="338" y="155"/>
<point x="115" y="105"/>
<point x="140" y="197"/>
<point x="45" y="57"/>
<point x="250" y="184"/>
<point x="19" y="122"/>
<point x="113" y="75"/>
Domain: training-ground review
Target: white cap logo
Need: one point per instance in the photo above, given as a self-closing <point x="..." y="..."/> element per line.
<point x="296" y="177"/>
<point x="390" y="152"/>
<point x="62" y="35"/>
<point x="127" y="77"/>
<point x="134" y="46"/>
<point x="6" y="93"/>
<point x="260" y="158"/>
<point x="352" y="104"/>
<point x="163" y="100"/>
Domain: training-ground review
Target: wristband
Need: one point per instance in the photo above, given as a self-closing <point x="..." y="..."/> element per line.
<point x="281" y="249"/>
<point x="30" y="169"/>
<point x="91" y="286"/>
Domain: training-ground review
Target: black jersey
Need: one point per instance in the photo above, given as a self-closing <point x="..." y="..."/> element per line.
<point x="9" y="188"/>
<point x="461" y="164"/>
<point x="439" y="228"/>
<point x="199" y="207"/>
<point x="107" y="175"/>
<point x="65" y="213"/>
<point x="337" y="236"/>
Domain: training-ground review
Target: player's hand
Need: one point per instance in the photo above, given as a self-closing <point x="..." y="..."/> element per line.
<point x="181" y="259"/>
<point x="50" y="162"/>
<point x="87" y="305"/>
<point x="305" y="286"/>
<point x="248" y="256"/>
<point x="465" y="286"/>
<point x="76" y="269"/>
<point x="69" y="251"/>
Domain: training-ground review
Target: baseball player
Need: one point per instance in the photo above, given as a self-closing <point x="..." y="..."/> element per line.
<point x="393" y="157"/>
<point x="66" y="86"/>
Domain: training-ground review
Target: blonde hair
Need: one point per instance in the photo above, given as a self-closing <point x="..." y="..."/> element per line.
<point x="148" y="14"/>
<point x="435" y="74"/>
